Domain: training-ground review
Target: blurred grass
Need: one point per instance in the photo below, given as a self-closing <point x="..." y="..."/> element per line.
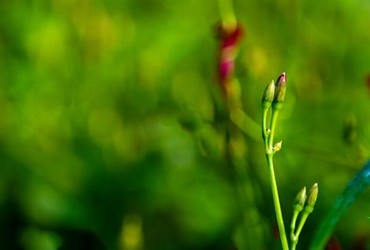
<point x="108" y="129"/>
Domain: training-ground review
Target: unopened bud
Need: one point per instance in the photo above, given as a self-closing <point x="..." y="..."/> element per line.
<point x="280" y="89"/>
<point x="300" y="200"/>
<point x="312" y="197"/>
<point x="277" y="146"/>
<point x="268" y="95"/>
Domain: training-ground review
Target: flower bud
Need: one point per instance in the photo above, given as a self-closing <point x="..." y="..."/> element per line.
<point x="230" y="36"/>
<point x="280" y="89"/>
<point x="229" y="42"/>
<point x="268" y="95"/>
<point x="277" y="146"/>
<point x="312" y="197"/>
<point x="300" y="200"/>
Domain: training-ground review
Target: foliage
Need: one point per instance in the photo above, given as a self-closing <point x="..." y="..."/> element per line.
<point x="113" y="132"/>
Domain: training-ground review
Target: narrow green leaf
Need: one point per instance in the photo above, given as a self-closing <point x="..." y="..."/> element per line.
<point x="354" y="188"/>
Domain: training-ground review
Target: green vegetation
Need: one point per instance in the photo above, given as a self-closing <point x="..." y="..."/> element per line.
<point x="115" y="132"/>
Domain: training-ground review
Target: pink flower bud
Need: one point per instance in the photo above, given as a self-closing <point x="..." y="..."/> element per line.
<point x="229" y="42"/>
<point x="280" y="89"/>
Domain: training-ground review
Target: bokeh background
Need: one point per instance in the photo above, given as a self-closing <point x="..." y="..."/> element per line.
<point x="110" y="133"/>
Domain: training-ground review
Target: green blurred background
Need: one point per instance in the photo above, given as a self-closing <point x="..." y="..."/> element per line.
<point x="109" y="130"/>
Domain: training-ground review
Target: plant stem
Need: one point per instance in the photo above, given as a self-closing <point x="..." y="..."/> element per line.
<point x="292" y="225"/>
<point x="275" y="113"/>
<point x="269" y="139"/>
<point x="264" y="127"/>
<point x="227" y="14"/>
<point x="275" y="195"/>
<point x="299" y="229"/>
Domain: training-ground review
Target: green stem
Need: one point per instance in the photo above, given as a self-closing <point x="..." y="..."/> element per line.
<point x="299" y="229"/>
<point x="275" y="113"/>
<point x="264" y="127"/>
<point x="275" y="195"/>
<point x="269" y="139"/>
<point x="227" y="14"/>
<point x="292" y="225"/>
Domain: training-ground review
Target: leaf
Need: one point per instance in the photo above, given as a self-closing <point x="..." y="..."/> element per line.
<point x="355" y="187"/>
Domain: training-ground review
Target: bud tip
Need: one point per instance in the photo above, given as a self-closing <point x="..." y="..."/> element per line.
<point x="301" y="199"/>
<point x="282" y="78"/>
<point x="313" y="195"/>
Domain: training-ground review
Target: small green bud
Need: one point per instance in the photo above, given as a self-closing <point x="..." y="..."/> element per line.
<point x="280" y="89"/>
<point x="268" y="95"/>
<point x="277" y="146"/>
<point x="312" y="197"/>
<point x="300" y="200"/>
